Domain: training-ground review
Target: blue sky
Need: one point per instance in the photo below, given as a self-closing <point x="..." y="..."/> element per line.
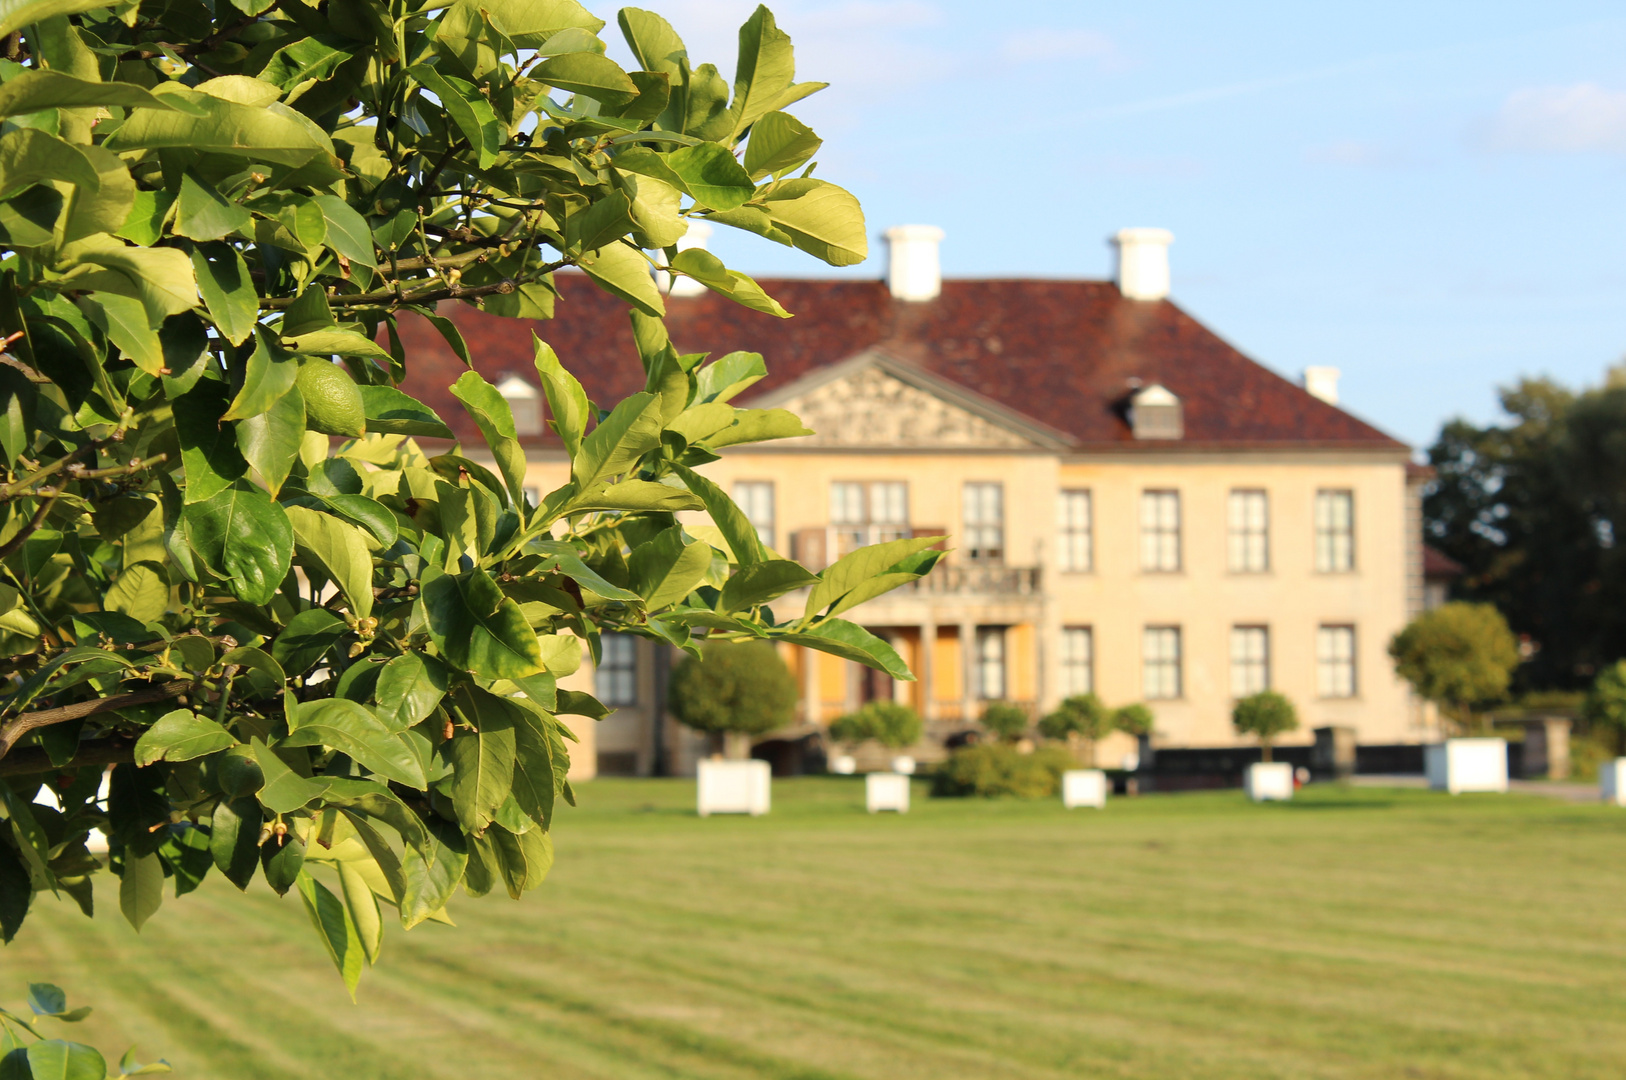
<point x="1429" y="196"/>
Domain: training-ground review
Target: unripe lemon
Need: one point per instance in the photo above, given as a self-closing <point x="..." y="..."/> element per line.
<point x="332" y="401"/>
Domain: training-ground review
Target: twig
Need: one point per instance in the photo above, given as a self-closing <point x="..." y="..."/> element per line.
<point x="23" y="723"/>
<point x="30" y="529"/>
<point x="33" y="759"/>
<point x="447" y="292"/>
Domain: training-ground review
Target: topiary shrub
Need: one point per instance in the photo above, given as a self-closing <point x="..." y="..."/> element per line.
<point x="734" y="690"/>
<point x="1135" y="719"/>
<point x="997" y="770"/>
<point x="889" y="723"/>
<point x="1266" y="715"/>
<point x="1006" y="721"/>
<point x="1605" y="706"/>
<point x="1082" y="718"/>
<point x="1459" y="656"/>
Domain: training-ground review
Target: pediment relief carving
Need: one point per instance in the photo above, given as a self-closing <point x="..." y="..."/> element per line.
<point x="870" y="407"/>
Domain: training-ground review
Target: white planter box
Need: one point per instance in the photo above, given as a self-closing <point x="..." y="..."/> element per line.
<point x="843" y="765"/>
<point x="1459" y="765"/>
<point x="733" y="787"/>
<point x="1612" y="781"/>
<point x="1084" y="787"/>
<point x="1269" y="781"/>
<point x="904" y="764"/>
<point x="886" y="791"/>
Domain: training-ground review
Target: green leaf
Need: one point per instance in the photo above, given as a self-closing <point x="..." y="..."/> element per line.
<point x="709" y="270"/>
<point x="307" y="58"/>
<point x="161" y="277"/>
<point x="340" y="549"/>
<point x="234" y="834"/>
<point x="337" y="343"/>
<point x="758" y="425"/>
<point x="567" y="401"/>
<point x="533" y="766"/>
<point x="432" y="867"/>
<point x="653" y="42"/>
<point x="362" y="904"/>
<point x="762" y="582"/>
<point x="16" y="893"/>
<point x="228" y="293"/>
<point x="469" y="110"/>
<point x="857" y="567"/>
<point x="30" y="156"/>
<point x="353" y="729"/>
<point x="653" y="205"/>
<point x="243" y="536"/>
<point x="495" y="419"/>
<point x="482" y="760"/>
<point x="391" y="412"/>
<point x="16" y="14"/>
<point x="141" y="890"/>
<point x="621" y="270"/>
<point x="479" y="629"/>
<point x="124" y="320"/>
<point x="563" y="558"/>
<point x="712" y="176"/>
<point x="523" y="860"/>
<point x="202" y="213"/>
<point x="347" y="231"/>
<point x="334" y="926"/>
<point x="106" y="209"/>
<point x="281" y="860"/>
<point x="305" y="639"/>
<point x="129" y="1067"/>
<point x="309" y="312"/>
<point x="779" y="143"/>
<point x="602" y="223"/>
<point x="370" y="514"/>
<point x="285" y="790"/>
<point x="57" y="1059"/>
<point x="145" y="223"/>
<point x="588" y="74"/>
<point x="764" y="70"/>
<point x="181" y="735"/>
<point x="636" y="495"/>
<point x="666" y="569"/>
<point x="34" y="91"/>
<point x="727" y="516"/>
<point x="270" y="441"/>
<point x="821" y="219"/>
<point x="632" y="429"/>
<point x="272" y="132"/>
<point x="729" y="376"/>
<point x="409" y="688"/>
<point x="268" y="376"/>
<point x="45" y="999"/>
<point x="530" y="23"/>
<point x="852" y="642"/>
<point x="208" y="443"/>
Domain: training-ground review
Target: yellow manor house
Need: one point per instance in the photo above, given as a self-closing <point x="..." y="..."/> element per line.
<point x="1133" y="506"/>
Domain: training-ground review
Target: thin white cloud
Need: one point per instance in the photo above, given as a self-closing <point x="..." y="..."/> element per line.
<point x="1354" y="153"/>
<point x="1560" y="119"/>
<point x="1048" y="46"/>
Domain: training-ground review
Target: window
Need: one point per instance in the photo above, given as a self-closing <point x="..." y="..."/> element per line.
<point x="1335" y="661"/>
<point x="990" y="662"/>
<point x="869" y="513"/>
<point x="1073" y="523"/>
<point x="1077" y="660"/>
<point x="616" y="680"/>
<point x="1160" y="531"/>
<point x="1249" y="532"/>
<point x="755" y="500"/>
<point x="1334" y="531"/>
<point x="982" y="507"/>
<point x="524" y="402"/>
<point x="1250" y="660"/>
<point x="1160" y="663"/>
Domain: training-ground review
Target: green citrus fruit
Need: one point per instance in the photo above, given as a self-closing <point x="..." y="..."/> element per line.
<point x="332" y="401"/>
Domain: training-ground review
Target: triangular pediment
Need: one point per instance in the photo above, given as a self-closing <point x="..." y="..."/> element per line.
<point x="873" y="401"/>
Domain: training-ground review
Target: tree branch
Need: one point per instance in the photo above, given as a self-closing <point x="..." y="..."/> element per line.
<point x="28" y="530"/>
<point x="33" y="759"/>
<point x="23" y="723"/>
<point x="427" y="296"/>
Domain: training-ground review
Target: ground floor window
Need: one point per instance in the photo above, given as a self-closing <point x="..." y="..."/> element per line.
<point x="616" y="680"/>
<point x="1077" y="660"/>
<point x="990" y="672"/>
<point x="1160" y="663"/>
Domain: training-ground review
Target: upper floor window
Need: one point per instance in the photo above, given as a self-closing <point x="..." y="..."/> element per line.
<point x="1160" y="663"/>
<point x="616" y="678"/>
<point x="990" y="672"/>
<point x="982" y="515"/>
<point x="755" y="500"/>
<point x="1250" y="660"/>
<point x="1077" y="660"/>
<point x="1160" y="531"/>
<point x="1334" y="531"/>
<point x="1249" y="538"/>
<point x="868" y="513"/>
<point x="524" y="401"/>
<point x="1074" y="522"/>
<point x="1335" y="661"/>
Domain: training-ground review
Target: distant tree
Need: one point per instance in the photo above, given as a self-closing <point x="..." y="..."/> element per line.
<point x="733" y="691"/>
<point x="1605" y="706"/>
<point x="1459" y="656"/>
<point x="889" y="723"/>
<point x="1008" y="722"/>
<point x="1134" y="719"/>
<point x="1080" y="718"/>
<point x="1266" y="715"/>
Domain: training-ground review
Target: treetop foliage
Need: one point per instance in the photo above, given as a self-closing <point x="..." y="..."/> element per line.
<point x="339" y="670"/>
<point x="890" y="723"/>
<point x="741" y="687"/>
<point x="26" y="1054"/>
<point x="1005" y="720"/>
<point x="1458" y="656"/>
<point x="1265" y="715"/>
<point x="1605" y="705"/>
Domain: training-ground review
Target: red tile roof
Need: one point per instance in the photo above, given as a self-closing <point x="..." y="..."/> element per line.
<point x="1437" y="565"/>
<point x="1061" y="352"/>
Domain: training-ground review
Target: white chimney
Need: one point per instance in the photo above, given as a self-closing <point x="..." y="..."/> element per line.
<point x="1143" y="263"/>
<point x="699" y="232"/>
<point x="913" y="269"/>
<point x="1322" y="382"/>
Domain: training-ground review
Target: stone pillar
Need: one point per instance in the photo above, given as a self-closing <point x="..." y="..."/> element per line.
<point x="928" y="670"/>
<point x="811" y="706"/>
<point x="968" y="671"/>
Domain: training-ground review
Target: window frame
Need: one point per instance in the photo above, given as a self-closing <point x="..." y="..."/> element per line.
<point x="1176" y="664"/>
<point x="1241" y="536"/>
<point x="765" y="533"/>
<point x="991" y="639"/>
<point x="1067" y="663"/>
<point x="850" y="534"/>
<point x="1158" y="537"/>
<point x="1327" y="534"/>
<point x="1248" y="684"/>
<point x="969" y="529"/>
<point x="614" y="668"/>
<point x="1071" y="536"/>
<point x="1346" y="632"/>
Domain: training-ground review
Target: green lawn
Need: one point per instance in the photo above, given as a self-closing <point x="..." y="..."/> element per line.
<point x="1366" y="933"/>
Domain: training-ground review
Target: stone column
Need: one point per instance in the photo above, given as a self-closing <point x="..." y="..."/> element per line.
<point x="968" y="671"/>
<point x="927" y="672"/>
<point x="811" y="706"/>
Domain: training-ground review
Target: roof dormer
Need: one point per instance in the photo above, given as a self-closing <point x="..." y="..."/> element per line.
<point x="1155" y="413"/>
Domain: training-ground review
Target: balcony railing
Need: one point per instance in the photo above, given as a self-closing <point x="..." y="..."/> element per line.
<point x="962" y="579"/>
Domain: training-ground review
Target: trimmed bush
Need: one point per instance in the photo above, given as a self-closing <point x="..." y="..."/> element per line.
<point x="1135" y="719"/>
<point x="734" y="690"/>
<point x="887" y="722"/>
<point x="1081" y="717"/>
<point x="1605" y="705"/>
<point x="1266" y="715"/>
<point x="1006" y="721"/>
<point x="998" y="770"/>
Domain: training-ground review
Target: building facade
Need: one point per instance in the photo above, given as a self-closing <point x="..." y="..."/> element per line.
<point x="1131" y="506"/>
